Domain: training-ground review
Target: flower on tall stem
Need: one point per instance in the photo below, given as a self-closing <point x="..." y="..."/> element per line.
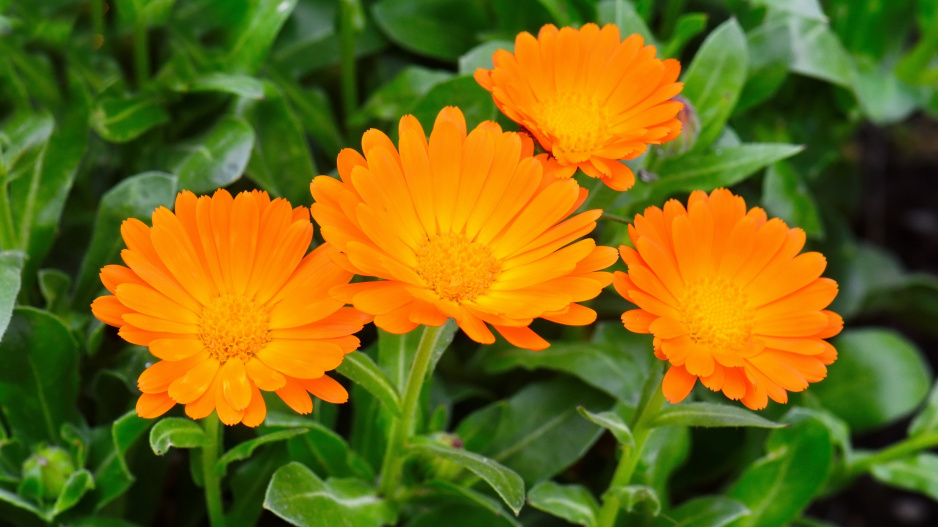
<point x="589" y="98"/>
<point x="224" y="293"/>
<point x="729" y="299"/>
<point x="463" y="226"/>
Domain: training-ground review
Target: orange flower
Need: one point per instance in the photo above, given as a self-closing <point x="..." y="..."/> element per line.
<point x="224" y="293"/>
<point x="729" y="299"/>
<point x="588" y="98"/>
<point x="463" y="226"/>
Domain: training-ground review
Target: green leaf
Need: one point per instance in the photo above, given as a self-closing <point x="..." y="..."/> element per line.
<point x="817" y="52"/>
<point x="710" y="511"/>
<point x="504" y="481"/>
<point x="299" y="496"/>
<point x="879" y="377"/>
<point x="715" y="79"/>
<point x="320" y="448"/>
<point x="235" y="84"/>
<point x="11" y="265"/>
<point x="218" y="158"/>
<point x="613" y="421"/>
<point x="363" y="371"/>
<point x="441" y="29"/>
<point x="687" y="27"/>
<point x="573" y="503"/>
<point x="785" y="195"/>
<point x="281" y="161"/>
<point x="927" y="419"/>
<point x="396" y="97"/>
<point x="314" y="112"/>
<point x="248" y="482"/>
<point x="15" y="500"/>
<point x="481" y="56"/>
<point x="22" y="132"/>
<point x="537" y="432"/>
<point x="120" y="120"/>
<point x="135" y="197"/>
<point x="246" y="449"/>
<point x="563" y="12"/>
<point x="884" y="98"/>
<point x="630" y="496"/>
<point x="39" y="378"/>
<point x="76" y="486"/>
<point x="810" y="9"/>
<point x="54" y="286"/>
<point x="622" y="13"/>
<point x="919" y="474"/>
<point x="666" y="448"/>
<point x="711" y="415"/>
<point x="464" y="93"/>
<point x="256" y="33"/>
<point x="461" y="515"/>
<point x="438" y="494"/>
<point x="778" y="486"/>
<point x="770" y="54"/>
<point x="616" y="361"/>
<point x="111" y="475"/>
<point x="176" y="432"/>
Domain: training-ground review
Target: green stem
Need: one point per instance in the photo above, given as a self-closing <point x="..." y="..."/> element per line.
<point x="403" y="428"/>
<point x="141" y="54"/>
<point x="350" y="22"/>
<point x="900" y="450"/>
<point x="213" y="436"/>
<point x="630" y="457"/>
<point x="614" y="218"/>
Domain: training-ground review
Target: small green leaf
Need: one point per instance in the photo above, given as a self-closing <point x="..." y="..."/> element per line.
<point x="687" y="27"/>
<point x="785" y="195"/>
<point x="363" y="371"/>
<point x="927" y="419"/>
<point x="246" y="449"/>
<point x="441" y="29"/>
<point x="256" y="33"/>
<point x="134" y="197"/>
<point x="464" y="93"/>
<point x="711" y="415"/>
<point x="120" y="120"/>
<point x="76" y="486"/>
<point x="176" y="432"/>
<point x="299" y="496"/>
<point x="573" y="503"/>
<point x="481" y="56"/>
<point x="54" y="286"/>
<point x="919" y="474"/>
<point x="879" y="377"/>
<point x="219" y="158"/>
<point x="11" y="265"/>
<point x="715" y="79"/>
<point x="612" y="421"/>
<point x="630" y="496"/>
<point x="235" y="84"/>
<point x="503" y="480"/>
<point x="709" y="511"/>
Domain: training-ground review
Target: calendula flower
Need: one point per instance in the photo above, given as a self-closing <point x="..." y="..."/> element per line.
<point x="225" y="295"/>
<point x="729" y="299"/>
<point x="460" y="226"/>
<point x="588" y="98"/>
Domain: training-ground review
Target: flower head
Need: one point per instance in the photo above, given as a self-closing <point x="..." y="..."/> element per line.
<point x="588" y="98"/>
<point x="462" y="226"/>
<point x="223" y="292"/>
<point x="729" y="299"/>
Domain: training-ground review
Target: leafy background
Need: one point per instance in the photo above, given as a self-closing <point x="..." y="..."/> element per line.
<point x="823" y="112"/>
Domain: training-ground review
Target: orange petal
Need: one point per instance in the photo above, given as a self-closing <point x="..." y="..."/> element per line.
<point x="327" y="389"/>
<point x="677" y="384"/>
<point x="152" y="405"/>
<point x="256" y="411"/>
<point x="296" y="396"/>
<point x="235" y="384"/>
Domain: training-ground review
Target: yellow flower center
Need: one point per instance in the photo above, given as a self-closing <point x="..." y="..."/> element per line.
<point x="234" y="326"/>
<point x="718" y="314"/>
<point x="579" y="124"/>
<point x="456" y="268"/>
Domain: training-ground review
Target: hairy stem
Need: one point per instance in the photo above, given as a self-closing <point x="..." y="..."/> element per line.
<point x="213" y="435"/>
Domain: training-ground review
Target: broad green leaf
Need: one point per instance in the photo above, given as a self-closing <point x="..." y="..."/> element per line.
<point x="613" y="421"/>
<point x="879" y="377"/>
<point x="320" y="448"/>
<point x="710" y="511"/>
<point x="281" y="161"/>
<point x="503" y="480"/>
<point x="573" y="503"/>
<point x="248" y="483"/>
<point x="769" y="58"/>
<point x="884" y="98"/>
<point x="314" y="111"/>
<point x="299" y="496"/>
<point x="778" y="486"/>
<point x="481" y="56"/>
<point x="927" y="419"/>
<point x="22" y="132"/>
<point x="810" y="9"/>
<point x="715" y="79"/>
<point x="76" y="486"/>
<point x="440" y="493"/>
<point x="19" y="502"/>
<point x="785" y="195"/>
<point x="441" y="29"/>
<point x="462" y="92"/>
<point x="120" y="120"/>
<point x="39" y="378"/>
<point x="818" y="53"/>
<point x="460" y="515"/>
<point x="235" y="84"/>
<point x="11" y="265"/>
<point x="622" y="13"/>
<point x="396" y="97"/>
<point x="634" y="497"/>
<point x="687" y="27"/>
<point x="616" y="361"/>
<point x="256" y="34"/>
<point x="711" y="415"/>
<point x="135" y="197"/>
<point x="246" y="448"/>
<point x="918" y="473"/>
<point x="870" y="276"/>
<point x="176" y="432"/>
<point x="363" y="371"/>
<point x="218" y="158"/>
<point x="537" y="432"/>
<point x="111" y="475"/>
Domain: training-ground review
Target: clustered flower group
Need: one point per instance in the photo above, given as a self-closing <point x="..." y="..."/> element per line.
<point x="475" y="226"/>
